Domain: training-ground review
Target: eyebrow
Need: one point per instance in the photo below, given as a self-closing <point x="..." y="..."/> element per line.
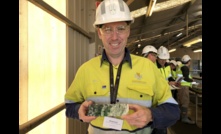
<point x="99" y="26"/>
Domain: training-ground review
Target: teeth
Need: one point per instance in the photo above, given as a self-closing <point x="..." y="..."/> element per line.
<point x="114" y="44"/>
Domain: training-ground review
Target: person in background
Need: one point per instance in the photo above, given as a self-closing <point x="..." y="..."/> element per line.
<point x="150" y="52"/>
<point x="173" y="66"/>
<point x="116" y="77"/>
<point x="183" y="93"/>
<point x="163" y="66"/>
<point x="179" y="64"/>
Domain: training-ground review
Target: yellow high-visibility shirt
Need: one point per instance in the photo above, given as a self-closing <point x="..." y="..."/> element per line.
<point x="183" y="82"/>
<point x="140" y="83"/>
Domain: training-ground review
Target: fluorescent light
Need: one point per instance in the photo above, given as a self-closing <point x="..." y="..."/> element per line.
<point x="193" y="41"/>
<point x="197" y="50"/>
<point x="151" y="7"/>
<point x="179" y="34"/>
<point x="172" y="50"/>
<point x="139" y="45"/>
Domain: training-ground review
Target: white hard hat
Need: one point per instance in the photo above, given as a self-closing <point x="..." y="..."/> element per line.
<point x="148" y="49"/>
<point x="112" y="11"/>
<point x="179" y="63"/>
<point x="163" y="53"/>
<point x="173" y="62"/>
<point x="185" y="58"/>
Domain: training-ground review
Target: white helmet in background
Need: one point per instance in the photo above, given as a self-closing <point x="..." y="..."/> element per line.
<point x="185" y="58"/>
<point x="112" y="11"/>
<point x="179" y="63"/>
<point x="173" y="62"/>
<point x="148" y="49"/>
<point x="163" y="53"/>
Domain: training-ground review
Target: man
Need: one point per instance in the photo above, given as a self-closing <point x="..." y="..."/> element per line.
<point x="173" y="66"/>
<point x="162" y="63"/>
<point x="183" y="93"/>
<point x="117" y="77"/>
<point x="150" y="52"/>
<point x="179" y="64"/>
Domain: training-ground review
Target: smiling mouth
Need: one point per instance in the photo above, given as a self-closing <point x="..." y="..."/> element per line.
<point x="114" y="44"/>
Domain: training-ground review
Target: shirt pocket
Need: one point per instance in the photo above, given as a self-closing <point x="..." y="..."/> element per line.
<point x="140" y="91"/>
<point x="97" y="89"/>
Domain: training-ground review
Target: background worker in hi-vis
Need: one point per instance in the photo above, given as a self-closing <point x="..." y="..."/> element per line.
<point x="116" y="77"/>
<point x="183" y="93"/>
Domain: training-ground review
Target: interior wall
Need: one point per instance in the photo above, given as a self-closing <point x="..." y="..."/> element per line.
<point x="79" y="48"/>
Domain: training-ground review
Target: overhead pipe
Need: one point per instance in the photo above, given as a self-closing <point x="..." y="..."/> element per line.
<point x="187" y="25"/>
<point x="159" y="7"/>
<point x="159" y="36"/>
<point x="159" y="29"/>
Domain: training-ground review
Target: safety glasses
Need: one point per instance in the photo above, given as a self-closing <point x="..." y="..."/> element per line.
<point x="107" y="30"/>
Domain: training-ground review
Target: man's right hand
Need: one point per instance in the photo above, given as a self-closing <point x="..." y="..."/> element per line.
<point x="83" y="112"/>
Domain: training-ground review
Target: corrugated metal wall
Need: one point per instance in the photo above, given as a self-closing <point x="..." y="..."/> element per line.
<point x="80" y="48"/>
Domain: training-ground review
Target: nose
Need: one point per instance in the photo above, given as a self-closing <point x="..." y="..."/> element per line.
<point x="114" y="34"/>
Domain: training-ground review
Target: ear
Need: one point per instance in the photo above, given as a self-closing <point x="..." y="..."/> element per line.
<point x="99" y="33"/>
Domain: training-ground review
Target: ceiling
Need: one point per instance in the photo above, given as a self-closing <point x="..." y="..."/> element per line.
<point x="168" y="19"/>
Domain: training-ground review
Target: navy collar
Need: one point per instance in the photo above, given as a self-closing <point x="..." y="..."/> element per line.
<point x="126" y="57"/>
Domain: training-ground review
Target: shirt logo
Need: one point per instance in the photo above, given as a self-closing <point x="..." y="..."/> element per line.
<point x="138" y="76"/>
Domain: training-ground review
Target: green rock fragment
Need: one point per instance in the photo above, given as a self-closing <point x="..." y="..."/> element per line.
<point x="113" y="110"/>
